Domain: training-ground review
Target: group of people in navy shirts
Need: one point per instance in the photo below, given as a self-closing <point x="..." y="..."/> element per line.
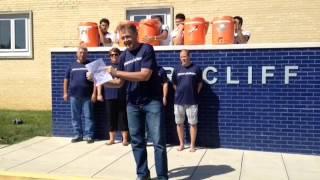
<point x="138" y="93"/>
<point x="135" y="99"/>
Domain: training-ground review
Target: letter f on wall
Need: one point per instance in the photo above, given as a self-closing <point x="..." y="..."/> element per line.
<point x="288" y="74"/>
<point x="266" y="74"/>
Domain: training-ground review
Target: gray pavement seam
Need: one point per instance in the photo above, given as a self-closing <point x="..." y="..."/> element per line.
<point x="36" y="157"/>
<point x="241" y="165"/>
<point x="85" y="153"/>
<point x="285" y="167"/>
<point x="105" y="167"/>
<point x="24" y="146"/>
<point x="195" y="169"/>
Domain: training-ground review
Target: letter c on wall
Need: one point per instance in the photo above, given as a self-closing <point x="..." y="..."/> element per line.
<point x="205" y="75"/>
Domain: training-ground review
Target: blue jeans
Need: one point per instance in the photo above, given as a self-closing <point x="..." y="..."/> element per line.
<point x="150" y="115"/>
<point x="79" y="106"/>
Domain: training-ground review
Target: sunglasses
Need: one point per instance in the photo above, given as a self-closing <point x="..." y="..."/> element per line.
<point x="114" y="55"/>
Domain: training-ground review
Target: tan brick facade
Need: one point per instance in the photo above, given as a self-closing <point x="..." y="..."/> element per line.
<point x="26" y="84"/>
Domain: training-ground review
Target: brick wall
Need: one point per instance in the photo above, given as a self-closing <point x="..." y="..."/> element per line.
<point x="269" y="117"/>
<point x="55" y="24"/>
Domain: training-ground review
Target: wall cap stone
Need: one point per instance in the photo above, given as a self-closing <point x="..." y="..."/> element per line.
<point x="207" y="47"/>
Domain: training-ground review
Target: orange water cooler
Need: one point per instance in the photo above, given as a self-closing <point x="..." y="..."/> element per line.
<point x="223" y="30"/>
<point x="88" y="34"/>
<point x="195" y="31"/>
<point x="151" y="28"/>
<point x="121" y="44"/>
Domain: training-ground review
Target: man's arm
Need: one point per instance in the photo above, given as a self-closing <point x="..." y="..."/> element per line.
<point x="103" y="40"/>
<point x="115" y="83"/>
<point x="165" y="93"/>
<point x="162" y="36"/>
<point x="143" y="75"/>
<point x="200" y="84"/>
<point x="107" y="41"/>
<point x="65" y="89"/>
<point x="242" y="39"/>
<point x="174" y="79"/>
<point x="179" y="39"/>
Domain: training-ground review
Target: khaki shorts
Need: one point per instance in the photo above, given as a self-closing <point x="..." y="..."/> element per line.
<point x="190" y="110"/>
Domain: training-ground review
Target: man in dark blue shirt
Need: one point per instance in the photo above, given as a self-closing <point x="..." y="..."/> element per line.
<point x="187" y="82"/>
<point x="81" y="94"/>
<point x="138" y="67"/>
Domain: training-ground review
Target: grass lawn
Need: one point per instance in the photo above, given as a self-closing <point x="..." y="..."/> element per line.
<point x="35" y="123"/>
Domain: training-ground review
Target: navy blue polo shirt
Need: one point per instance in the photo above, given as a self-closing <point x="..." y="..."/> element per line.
<point x="186" y="80"/>
<point x="114" y="93"/>
<point x="79" y="86"/>
<point x="141" y="93"/>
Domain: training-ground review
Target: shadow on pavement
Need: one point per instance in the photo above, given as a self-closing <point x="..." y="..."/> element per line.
<point x="199" y="172"/>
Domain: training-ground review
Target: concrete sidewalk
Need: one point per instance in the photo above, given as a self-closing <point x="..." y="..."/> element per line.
<point x="57" y="158"/>
<point x="3" y="145"/>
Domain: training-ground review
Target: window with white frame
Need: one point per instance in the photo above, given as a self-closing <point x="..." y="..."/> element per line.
<point x="16" y="35"/>
<point x="137" y="14"/>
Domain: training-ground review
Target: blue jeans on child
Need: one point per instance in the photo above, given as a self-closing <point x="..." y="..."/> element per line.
<point x="138" y="117"/>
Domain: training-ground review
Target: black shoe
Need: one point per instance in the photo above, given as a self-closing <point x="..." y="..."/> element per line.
<point x="76" y="139"/>
<point x="90" y="140"/>
<point x="144" y="178"/>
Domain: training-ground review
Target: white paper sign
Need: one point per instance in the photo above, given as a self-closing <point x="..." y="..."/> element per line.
<point x="98" y="69"/>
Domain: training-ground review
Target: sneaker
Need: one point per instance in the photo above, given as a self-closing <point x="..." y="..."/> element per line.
<point x="76" y="139"/>
<point x="90" y="140"/>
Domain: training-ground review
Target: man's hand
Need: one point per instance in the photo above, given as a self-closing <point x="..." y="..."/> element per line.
<point x="89" y="76"/>
<point x="65" y="97"/>
<point x="164" y="101"/>
<point x="111" y="70"/>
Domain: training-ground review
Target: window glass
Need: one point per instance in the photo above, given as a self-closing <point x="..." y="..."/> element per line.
<point x="137" y="18"/>
<point x="5" y="34"/>
<point x="145" y="13"/>
<point x="20" y="34"/>
<point x="16" y="35"/>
